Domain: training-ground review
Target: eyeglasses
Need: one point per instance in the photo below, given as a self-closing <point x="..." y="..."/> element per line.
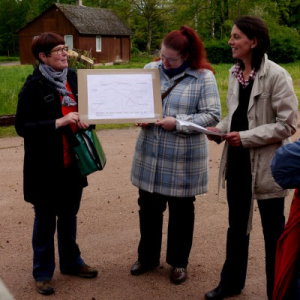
<point x="170" y="60"/>
<point x="60" y="51"/>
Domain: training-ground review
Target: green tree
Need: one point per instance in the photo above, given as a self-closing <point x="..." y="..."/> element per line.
<point x="289" y="11"/>
<point x="12" y="16"/>
<point x="150" y="20"/>
<point x="148" y="15"/>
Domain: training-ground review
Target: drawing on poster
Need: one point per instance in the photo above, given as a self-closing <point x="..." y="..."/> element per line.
<point x="120" y="96"/>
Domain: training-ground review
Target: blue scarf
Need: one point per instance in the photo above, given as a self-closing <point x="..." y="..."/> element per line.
<point x="175" y="71"/>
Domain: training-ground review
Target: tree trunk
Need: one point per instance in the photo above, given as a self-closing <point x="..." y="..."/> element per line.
<point x="149" y="39"/>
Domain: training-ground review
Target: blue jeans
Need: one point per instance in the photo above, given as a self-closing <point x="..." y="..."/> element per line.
<point x="61" y="214"/>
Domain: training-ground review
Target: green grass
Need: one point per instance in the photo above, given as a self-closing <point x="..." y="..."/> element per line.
<point x="114" y="126"/>
<point x="13" y="77"/>
<point x="136" y="62"/>
<point x="294" y="70"/>
<point x="221" y="74"/>
<point x="7" y="131"/>
<point x="4" y="59"/>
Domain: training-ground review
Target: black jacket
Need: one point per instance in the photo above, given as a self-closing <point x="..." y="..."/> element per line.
<point x="39" y="106"/>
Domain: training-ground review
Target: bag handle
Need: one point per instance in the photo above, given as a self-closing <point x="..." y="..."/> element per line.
<point x="168" y="91"/>
<point x="87" y="140"/>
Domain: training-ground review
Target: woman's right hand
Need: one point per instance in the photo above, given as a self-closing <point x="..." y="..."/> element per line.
<point x="143" y="125"/>
<point x="70" y="118"/>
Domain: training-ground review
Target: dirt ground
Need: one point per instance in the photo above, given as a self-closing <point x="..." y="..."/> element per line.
<point x="108" y="233"/>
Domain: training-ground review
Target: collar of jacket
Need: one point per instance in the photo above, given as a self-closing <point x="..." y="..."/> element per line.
<point x="258" y="84"/>
<point x="263" y="67"/>
<point x="261" y="71"/>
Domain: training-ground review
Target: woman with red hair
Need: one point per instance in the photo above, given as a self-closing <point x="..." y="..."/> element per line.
<point x="170" y="161"/>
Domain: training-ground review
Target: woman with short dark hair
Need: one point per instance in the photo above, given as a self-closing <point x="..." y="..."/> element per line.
<point x="47" y="118"/>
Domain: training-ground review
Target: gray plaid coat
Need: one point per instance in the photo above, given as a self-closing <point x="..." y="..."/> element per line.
<point x="174" y="163"/>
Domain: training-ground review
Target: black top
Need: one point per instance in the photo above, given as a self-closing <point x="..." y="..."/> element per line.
<point x="239" y="157"/>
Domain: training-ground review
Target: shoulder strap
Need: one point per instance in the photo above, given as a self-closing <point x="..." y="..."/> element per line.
<point x="168" y="91"/>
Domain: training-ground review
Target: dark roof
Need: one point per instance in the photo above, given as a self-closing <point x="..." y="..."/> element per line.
<point x="92" y="20"/>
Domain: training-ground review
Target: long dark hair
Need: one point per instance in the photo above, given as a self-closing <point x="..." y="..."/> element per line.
<point x="187" y="42"/>
<point x="255" y="28"/>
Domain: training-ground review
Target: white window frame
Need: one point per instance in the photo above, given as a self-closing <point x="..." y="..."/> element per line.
<point x="69" y="41"/>
<point x="98" y="43"/>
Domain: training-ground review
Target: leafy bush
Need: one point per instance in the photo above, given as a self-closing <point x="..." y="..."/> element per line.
<point x="141" y="57"/>
<point x="285" y="44"/>
<point x="4" y="59"/>
<point x="218" y="51"/>
<point x="135" y="51"/>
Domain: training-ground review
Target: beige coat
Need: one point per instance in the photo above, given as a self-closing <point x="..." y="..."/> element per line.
<point x="272" y="117"/>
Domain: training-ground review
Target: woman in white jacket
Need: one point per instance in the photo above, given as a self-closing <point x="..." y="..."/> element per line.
<point x="262" y="114"/>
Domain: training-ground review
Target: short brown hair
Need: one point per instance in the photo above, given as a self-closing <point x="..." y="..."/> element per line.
<point x="45" y="42"/>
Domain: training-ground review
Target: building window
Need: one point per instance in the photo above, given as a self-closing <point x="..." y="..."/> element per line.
<point x="98" y="43"/>
<point x="69" y="41"/>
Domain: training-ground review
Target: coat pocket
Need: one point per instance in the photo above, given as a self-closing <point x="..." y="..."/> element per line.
<point x="264" y="181"/>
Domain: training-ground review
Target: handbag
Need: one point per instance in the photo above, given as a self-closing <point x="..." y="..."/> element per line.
<point x="89" y="154"/>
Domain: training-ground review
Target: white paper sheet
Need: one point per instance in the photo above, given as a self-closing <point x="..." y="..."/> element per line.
<point x="115" y="96"/>
<point x="195" y="127"/>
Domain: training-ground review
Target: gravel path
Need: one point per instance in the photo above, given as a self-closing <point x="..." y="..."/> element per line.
<point x="108" y="233"/>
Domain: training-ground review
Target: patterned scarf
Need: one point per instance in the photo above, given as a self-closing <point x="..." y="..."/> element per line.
<point x="238" y="73"/>
<point x="59" y="79"/>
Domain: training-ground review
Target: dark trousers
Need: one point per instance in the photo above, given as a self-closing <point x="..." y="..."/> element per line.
<point x="234" y="271"/>
<point x="61" y="214"/>
<point x="180" y="228"/>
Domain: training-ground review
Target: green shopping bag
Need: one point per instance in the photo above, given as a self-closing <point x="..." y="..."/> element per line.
<point x="89" y="153"/>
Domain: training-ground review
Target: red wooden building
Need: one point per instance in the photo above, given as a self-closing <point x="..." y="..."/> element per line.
<point x="97" y="30"/>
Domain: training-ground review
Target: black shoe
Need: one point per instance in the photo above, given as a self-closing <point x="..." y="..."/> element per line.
<point x="138" y="269"/>
<point x="178" y="275"/>
<point x="220" y="293"/>
<point x="44" y="287"/>
<point x="84" y="271"/>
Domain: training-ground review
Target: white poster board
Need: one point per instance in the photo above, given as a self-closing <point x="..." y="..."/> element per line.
<point x="119" y="95"/>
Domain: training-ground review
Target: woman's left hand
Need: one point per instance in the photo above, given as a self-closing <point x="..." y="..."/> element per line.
<point x="233" y="138"/>
<point x="82" y="125"/>
<point x="167" y="123"/>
